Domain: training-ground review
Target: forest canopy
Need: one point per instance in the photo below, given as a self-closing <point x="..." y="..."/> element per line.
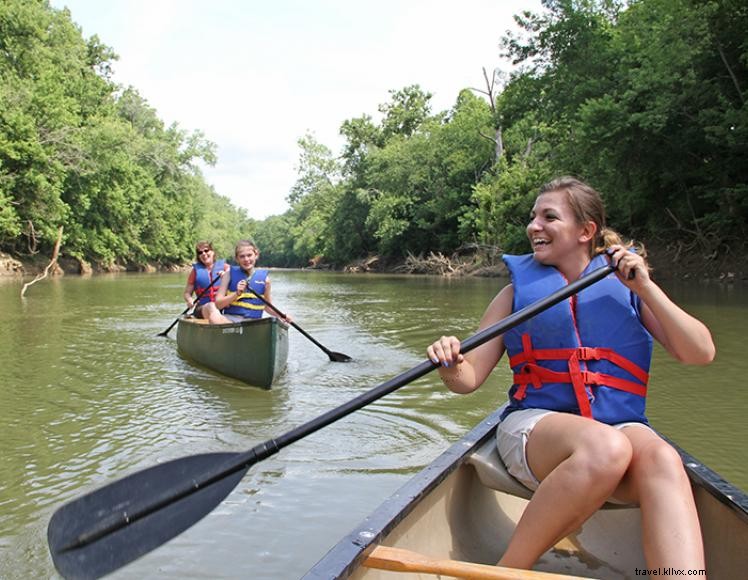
<point x="645" y="100"/>
<point x="79" y="151"/>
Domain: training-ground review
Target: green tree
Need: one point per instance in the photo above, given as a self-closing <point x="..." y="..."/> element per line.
<point x="77" y="150"/>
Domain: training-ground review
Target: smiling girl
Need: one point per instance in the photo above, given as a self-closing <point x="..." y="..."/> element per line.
<point x="237" y="295"/>
<point x="575" y="429"/>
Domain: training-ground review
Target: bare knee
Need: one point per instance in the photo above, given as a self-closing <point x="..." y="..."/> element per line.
<point x="658" y="460"/>
<point x="592" y="453"/>
<point x="605" y="457"/>
<point x="212" y="314"/>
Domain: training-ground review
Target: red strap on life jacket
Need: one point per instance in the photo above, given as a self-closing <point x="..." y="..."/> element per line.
<point x="212" y="290"/>
<point x="211" y="293"/>
<point x="532" y="373"/>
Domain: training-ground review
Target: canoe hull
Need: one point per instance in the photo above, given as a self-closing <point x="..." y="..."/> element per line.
<point x="447" y="512"/>
<point x="252" y="351"/>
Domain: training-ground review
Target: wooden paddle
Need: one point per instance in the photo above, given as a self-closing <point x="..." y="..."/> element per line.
<point x="194" y="304"/>
<point x="400" y="560"/>
<point x="334" y="356"/>
<point x="112" y="526"/>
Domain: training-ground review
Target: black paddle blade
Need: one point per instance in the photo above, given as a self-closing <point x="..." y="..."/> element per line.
<point x="338" y="357"/>
<point x="112" y="526"/>
<point x="172" y="325"/>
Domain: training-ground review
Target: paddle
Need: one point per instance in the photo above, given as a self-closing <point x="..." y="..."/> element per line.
<point x="334" y="356"/>
<point x="186" y="310"/>
<point x="112" y="526"/>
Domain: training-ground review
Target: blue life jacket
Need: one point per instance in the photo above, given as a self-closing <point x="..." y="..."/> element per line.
<point x="247" y="305"/>
<point x="587" y="355"/>
<point x="203" y="277"/>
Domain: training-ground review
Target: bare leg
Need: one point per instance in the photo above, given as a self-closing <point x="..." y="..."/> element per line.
<point x="657" y="480"/>
<point x="213" y="315"/>
<point x="579" y="463"/>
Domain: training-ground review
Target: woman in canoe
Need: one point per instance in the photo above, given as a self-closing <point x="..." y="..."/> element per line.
<point x="575" y="429"/>
<point x="237" y="295"/>
<point x="203" y="280"/>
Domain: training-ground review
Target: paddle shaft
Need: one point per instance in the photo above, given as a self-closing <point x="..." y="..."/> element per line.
<point x="242" y="461"/>
<point x="197" y="299"/>
<point x="333" y="355"/>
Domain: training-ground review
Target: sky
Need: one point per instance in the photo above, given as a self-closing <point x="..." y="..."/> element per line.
<point x="257" y="75"/>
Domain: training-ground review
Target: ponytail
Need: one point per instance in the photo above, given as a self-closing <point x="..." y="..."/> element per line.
<point x="608" y="237"/>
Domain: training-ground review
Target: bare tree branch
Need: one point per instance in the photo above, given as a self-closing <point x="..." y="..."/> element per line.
<point x="731" y="73"/>
<point x="52" y="263"/>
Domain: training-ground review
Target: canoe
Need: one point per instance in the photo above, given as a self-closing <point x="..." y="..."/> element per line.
<point x="253" y="351"/>
<point x="461" y="510"/>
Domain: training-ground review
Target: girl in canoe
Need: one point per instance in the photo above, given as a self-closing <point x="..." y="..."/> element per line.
<point x="237" y="295"/>
<point x="202" y="280"/>
<point x="575" y="429"/>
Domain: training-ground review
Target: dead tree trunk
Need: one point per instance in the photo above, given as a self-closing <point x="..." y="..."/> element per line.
<point x="51" y="264"/>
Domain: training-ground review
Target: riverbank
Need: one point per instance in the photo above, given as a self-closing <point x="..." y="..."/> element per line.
<point x="673" y="261"/>
<point x="668" y="262"/>
<point x="22" y="266"/>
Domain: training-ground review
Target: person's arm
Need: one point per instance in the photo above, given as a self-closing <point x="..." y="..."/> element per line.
<point x="189" y="289"/>
<point x="686" y="338"/>
<point x="223" y="296"/>
<point x="269" y="309"/>
<point x="465" y="373"/>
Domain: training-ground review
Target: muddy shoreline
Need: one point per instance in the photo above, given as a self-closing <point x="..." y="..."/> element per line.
<point x="670" y="262"/>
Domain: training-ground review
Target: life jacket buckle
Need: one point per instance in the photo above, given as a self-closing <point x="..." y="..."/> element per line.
<point x="588" y="353"/>
<point x="532" y="370"/>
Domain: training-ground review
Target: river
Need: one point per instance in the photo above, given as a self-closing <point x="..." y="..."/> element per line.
<point x="90" y="393"/>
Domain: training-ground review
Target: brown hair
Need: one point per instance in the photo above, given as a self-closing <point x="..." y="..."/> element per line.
<point x="202" y="244"/>
<point x="587" y="205"/>
<point x="245" y="244"/>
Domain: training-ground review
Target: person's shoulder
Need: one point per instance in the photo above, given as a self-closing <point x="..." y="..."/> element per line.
<point x="504" y="296"/>
<point x="506" y="293"/>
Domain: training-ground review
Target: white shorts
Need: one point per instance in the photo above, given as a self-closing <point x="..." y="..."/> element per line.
<point x="511" y="440"/>
<point x="236" y="317"/>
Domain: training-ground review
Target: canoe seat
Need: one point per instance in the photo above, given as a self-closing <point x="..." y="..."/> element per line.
<point x="493" y="474"/>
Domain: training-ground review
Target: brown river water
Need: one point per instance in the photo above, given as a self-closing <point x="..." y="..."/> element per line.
<point x="90" y="393"/>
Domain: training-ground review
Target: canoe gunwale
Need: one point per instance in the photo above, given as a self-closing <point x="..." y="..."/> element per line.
<point x="247" y="322"/>
<point x="348" y="554"/>
<point x="709" y="480"/>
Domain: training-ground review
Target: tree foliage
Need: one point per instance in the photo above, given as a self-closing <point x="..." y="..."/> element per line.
<point x="645" y="99"/>
<point x="78" y="151"/>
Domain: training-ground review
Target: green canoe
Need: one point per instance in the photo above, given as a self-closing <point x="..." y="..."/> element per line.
<point x="253" y="351"/>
